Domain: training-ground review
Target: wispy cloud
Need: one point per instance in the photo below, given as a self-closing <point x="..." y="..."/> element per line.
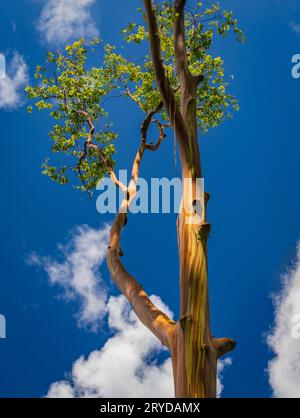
<point x="76" y="270"/>
<point x="13" y="84"/>
<point x="222" y="364"/>
<point x="284" y="368"/>
<point x="289" y="11"/>
<point x="62" y="21"/>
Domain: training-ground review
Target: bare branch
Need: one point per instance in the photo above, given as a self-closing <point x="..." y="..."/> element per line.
<point x="163" y="83"/>
<point x="187" y="81"/>
<point x="117" y="182"/>
<point x="224" y="345"/>
<point x="147" y="312"/>
<point x="153" y="318"/>
<point x="181" y="59"/>
<point x="147" y="121"/>
<point x="161" y="127"/>
<point x="155" y="44"/>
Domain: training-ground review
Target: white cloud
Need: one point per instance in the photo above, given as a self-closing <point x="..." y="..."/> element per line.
<point x="78" y="272"/>
<point x="64" y="20"/>
<point x="122" y="368"/>
<point x="284" y="368"/>
<point x="13" y="84"/>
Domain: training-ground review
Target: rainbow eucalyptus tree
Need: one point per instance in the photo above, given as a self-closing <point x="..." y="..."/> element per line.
<point x="180" y="86"/>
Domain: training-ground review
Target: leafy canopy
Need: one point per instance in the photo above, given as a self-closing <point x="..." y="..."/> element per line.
<point x="75" y="92"/>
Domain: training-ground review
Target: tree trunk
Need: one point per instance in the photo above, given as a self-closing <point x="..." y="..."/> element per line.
<point x="194" y="351"/>
<point x="194" y="355"/>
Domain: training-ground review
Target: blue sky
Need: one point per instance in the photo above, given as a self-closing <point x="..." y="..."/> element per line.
<point x="251" y="169"/>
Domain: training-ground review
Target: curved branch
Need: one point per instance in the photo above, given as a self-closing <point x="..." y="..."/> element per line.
<point x="161" y="127"/>
<point x="147" y="312"/>
<point x="153" y="318"/>
<point x="148" y="120"/>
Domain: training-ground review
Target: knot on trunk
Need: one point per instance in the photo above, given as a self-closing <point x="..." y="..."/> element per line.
<point x="185" y="321"/>
<point x="203" y="231"/>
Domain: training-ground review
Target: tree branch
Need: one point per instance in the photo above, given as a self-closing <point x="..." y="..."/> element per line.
<point x="135" y="99"/>
<point x="89" y="144"/>
<point x="181" y="59"/>
<point x="147" y="312"/>
<point x="224" y="345"/>
<point x="161" y="127"/>
<point x="186" y="79"/>
<point x="116" y="181"/>
<point x="163" y="83"/>
<point x="153" y="318"/>
<point x="157" y="59"/>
